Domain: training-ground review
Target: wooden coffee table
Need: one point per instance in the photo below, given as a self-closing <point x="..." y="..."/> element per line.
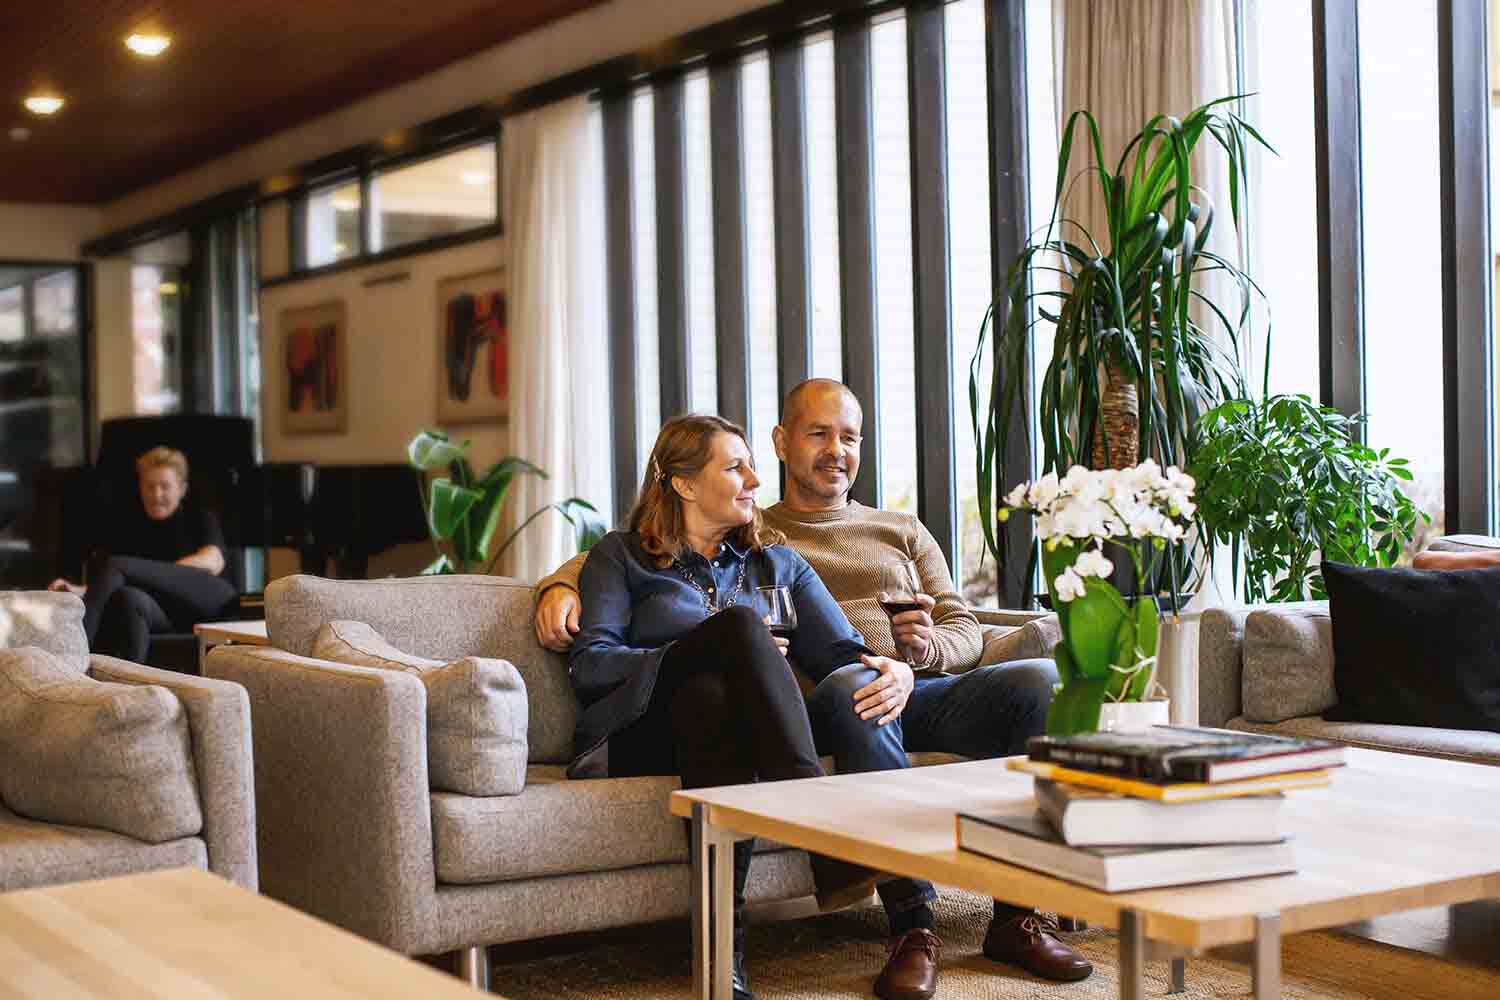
<point x="1393" y="832"/>
<point x="187" y="933"/>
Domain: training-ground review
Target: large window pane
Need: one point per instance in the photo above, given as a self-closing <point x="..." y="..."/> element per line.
<point x="332" y="232"/>
<point x="436" y="197"/>
<point x="1277" y="62"/>
<point x="823" y="208"/>
<point x="700" y="244"/>
<point x="893" y="267"/>
<point x="1403" y="282"/>
<point x="968" y="271"/>
<point x="647" y="337"/>
<point x="1042" y="146"/>
<point x="760" y="269"/>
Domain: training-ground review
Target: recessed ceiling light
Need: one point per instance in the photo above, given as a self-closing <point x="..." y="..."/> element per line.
<point x="43" y="104"/>
<point x="167" y="288"/>
<point x="149" y="46"/>
<point x="20" y="134"/>
<point x="475" y="178"/>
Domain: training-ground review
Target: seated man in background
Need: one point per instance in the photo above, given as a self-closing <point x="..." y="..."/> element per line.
<point x="159" y="569"/>
<point x="870" y="719"/>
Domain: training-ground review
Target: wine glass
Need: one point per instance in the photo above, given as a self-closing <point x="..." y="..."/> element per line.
<point x="777" y="609"/>
<point x="899" y="587"/>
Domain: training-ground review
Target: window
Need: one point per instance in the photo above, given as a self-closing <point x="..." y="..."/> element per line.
<point x="968" y="271"/>
<point x="1042" y="143"/>
<point x="822" y="208"/>
<point x="159" y="288"/>
<point x="893" y="266"/>
<point x="702" y="348"/>
<point x="432" y="198"/>
<point x="332" y="229"/>
<point x="1403" y="283"/>
<point x="647" y="336"/>
<point x="1278" y="72"/>
<point x="12" y="314"/>
<point x="760" y="269"/>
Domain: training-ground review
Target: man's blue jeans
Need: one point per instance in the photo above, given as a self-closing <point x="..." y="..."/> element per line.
<point x="988" y="712"/>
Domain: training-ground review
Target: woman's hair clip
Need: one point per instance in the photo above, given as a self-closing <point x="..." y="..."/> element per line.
<point x="658" y="473"/>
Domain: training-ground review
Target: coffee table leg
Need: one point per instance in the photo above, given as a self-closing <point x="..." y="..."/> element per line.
<point x="1179" y="976"/>
<point x="1132" y="956"/>
<point x="713" y="908"/>
<point x="1265" y="968"/>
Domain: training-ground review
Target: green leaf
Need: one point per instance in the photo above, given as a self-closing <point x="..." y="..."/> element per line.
<point x="450" y="505"/>
<point x="438" y="567"/>
<point x="431" y="449"/>
<point x="1075" y="708"/>
<point x="588" y="525"/>
<point x="1093" y="628"/>
<point x="1066" y="671"/>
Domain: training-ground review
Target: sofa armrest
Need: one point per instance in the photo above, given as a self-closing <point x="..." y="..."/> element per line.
<point x="343" y="804"/>
<point x="1007" y="616"/>
<point x="218" y="717"/>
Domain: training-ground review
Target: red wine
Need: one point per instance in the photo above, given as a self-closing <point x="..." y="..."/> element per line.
<point x="782" y="631"/>
<point x="894" y="608"/>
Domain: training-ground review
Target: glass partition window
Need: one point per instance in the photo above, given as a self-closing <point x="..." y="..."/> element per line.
<point x="823" y="208"/>
<point x="332" y="230"/>
<point x="760" y="269"/>
<point x="432" y="198"/>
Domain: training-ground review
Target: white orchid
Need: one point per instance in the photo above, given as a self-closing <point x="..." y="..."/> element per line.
<point x="1088" y="507"/>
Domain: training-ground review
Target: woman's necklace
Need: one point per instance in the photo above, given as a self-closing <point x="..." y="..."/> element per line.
<point x="709" y="604"/>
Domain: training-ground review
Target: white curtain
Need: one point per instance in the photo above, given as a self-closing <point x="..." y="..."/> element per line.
<point x="554" y="237"/>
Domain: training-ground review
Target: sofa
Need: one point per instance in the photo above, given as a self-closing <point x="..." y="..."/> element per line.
<point x="352" y="831"/>
<point x="219" y="768"/>
<point x="1269" y="669"/>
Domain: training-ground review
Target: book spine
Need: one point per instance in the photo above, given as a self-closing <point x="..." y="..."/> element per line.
<point x="1122" y="765"/>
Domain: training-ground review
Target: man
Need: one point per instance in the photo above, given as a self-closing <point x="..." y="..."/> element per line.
<point x="948" y="704"/>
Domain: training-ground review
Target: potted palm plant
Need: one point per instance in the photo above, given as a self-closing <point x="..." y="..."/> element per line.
<point x="463" y="510"/>
<point x="1130" y="367"/>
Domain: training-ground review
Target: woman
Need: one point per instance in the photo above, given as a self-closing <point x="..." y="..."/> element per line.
<point x="673" y="663"/>
<point x="159" y="569"/>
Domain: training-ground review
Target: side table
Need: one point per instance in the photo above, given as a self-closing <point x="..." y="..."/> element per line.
<point x="245" y="633"/>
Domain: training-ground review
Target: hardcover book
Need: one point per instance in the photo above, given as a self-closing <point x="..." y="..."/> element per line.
<point x="1088" y="817"/>
<point x="1183" y="791"/>
<point x="1024" y="837"/>
<point x="1167" y="754"/>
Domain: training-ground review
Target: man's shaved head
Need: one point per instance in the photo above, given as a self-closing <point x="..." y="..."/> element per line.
<point x="814" y="388"/>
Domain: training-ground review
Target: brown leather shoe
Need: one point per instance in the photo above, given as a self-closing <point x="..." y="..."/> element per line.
<point x="1028" y="940"/>
<point x="842" y="883"/>
<point x="912" y="970"/>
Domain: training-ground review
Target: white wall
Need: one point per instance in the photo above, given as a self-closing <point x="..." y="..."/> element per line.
<point x="34" y="231"/>
<point x="392" y="363"/>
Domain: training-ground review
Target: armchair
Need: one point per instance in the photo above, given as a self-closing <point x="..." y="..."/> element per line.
<point x="34" y="853"/>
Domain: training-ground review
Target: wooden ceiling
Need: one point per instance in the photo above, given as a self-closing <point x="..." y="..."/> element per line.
<point x="237" y="71"/>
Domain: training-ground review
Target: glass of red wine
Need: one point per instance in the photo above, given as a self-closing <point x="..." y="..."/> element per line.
<point x="899" y="587"/>
<point x="777" y="610"/>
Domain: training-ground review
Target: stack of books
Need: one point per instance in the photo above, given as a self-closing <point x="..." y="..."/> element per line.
<point x="1169" y="805"/>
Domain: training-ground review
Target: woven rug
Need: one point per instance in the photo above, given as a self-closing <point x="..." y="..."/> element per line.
<point x="838" y="956"/>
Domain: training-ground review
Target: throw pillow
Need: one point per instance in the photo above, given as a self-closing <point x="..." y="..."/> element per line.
<point x="1416" y="647"/>
<point x="1288" y="664"/>
<point x="91" y="753"/>
<point x="46" y="620"/>
<point x="476" y="709"/>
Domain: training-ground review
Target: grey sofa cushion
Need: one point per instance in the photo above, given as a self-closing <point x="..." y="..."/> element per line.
<point x="1288" y="663"/>
<point x="49" y="621"/>
<point x="1471" y="745"/>
<point x="1033" y="640"/>
<point x="476" y="709"/>
<point x="443" y="618"/>
<point x="37" y="854"/>
<point x="90" y="753"/>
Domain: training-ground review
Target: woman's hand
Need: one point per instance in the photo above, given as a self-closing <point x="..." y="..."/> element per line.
<point x="64" y="587"/>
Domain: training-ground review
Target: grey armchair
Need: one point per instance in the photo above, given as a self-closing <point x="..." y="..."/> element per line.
<point x="35" y="853"/>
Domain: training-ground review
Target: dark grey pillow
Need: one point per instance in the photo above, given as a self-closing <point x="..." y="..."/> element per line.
<point x="1416" y="647"/>
<point x="93" y="753"/>
<point x="1288" y="664"/>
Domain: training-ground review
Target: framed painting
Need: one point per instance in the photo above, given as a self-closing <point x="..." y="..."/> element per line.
<point x="314" y="363"/>
<point x="473" y="349"/>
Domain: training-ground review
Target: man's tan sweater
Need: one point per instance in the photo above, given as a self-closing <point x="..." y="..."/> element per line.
<point x="846" y="548"/>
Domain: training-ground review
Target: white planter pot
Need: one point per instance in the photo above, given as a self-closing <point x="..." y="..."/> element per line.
<point x="1127" y="716"/>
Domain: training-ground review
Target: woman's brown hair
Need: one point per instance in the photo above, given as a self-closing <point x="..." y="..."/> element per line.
<point x="683" y="447"/>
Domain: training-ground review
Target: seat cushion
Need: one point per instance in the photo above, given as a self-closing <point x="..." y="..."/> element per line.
<point x="46" y="620"/>
<point x="1473" y="746"/>
<point x="476" y="709"/>
<point x="557" y="826"/>
<point x="93" y="753"/>
<point x="35" y="854"/>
